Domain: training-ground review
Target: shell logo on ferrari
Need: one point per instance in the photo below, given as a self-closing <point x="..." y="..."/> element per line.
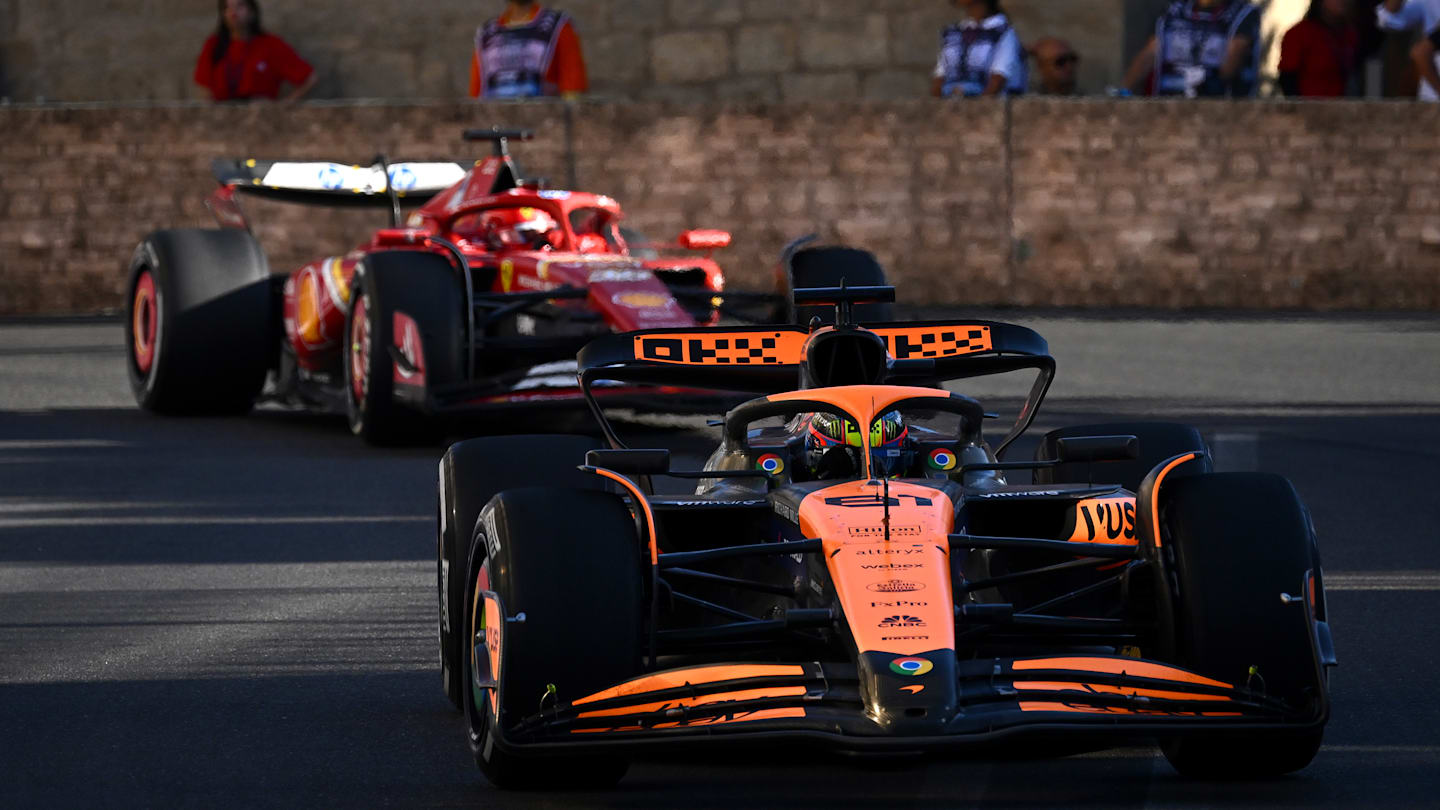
<point x="640" y="300"/>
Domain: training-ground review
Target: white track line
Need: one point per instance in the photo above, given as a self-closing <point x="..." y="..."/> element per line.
<point x="58" y="444"/>
<point x="1382" y="581"/>
<point x="204" y="520"/>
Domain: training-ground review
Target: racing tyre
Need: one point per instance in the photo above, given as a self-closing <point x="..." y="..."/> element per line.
<point x="827" y="267"/>
<point x="381" y="366"/>
<point x="200" y="322"/>
<point x="1238" y="541"/>
<point x="471" y="473"/>
<point x="569" y="561"/>
<point x="1158" y="441"/>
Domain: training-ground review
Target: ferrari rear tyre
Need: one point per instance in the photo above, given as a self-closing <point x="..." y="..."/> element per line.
<point x="415" y="285"/>
<point x="471" y="473"/>
<point x="1237" y="542"/>
<point x="569" y="561"/>
<point x="1158" y="441"/>
<point x="200" y="322"/>
<point x="828" y="267"/>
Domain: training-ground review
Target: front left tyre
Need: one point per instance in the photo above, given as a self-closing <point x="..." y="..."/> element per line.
<point x="200" y="322"/>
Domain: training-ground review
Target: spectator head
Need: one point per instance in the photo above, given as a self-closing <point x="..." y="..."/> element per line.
<point x="240" y="18"/>
<point x="978" y="9"/>
<point x="1057" y="65"/>
<point x="1330" y="11"/>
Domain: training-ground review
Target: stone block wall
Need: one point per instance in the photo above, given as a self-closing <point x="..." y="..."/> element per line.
<point x="1029" y="202"/>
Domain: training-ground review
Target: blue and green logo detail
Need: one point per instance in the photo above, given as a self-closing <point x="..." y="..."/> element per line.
<point x="911" y="666"/>
<point x="771" y="464"/>
<point x="942" y="459"/>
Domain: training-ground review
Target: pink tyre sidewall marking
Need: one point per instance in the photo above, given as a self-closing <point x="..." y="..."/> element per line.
<point x="145" y="321"/>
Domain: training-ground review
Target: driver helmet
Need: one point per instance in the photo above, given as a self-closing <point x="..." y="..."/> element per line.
<point x="518" y="227"/>
<point x="828" y="433"/>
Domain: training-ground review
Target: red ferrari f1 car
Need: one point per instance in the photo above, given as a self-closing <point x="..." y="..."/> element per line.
<point x="857" y="569"/>
<point x="477" y="300"/>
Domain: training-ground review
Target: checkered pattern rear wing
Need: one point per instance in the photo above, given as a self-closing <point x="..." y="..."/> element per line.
<point x="769" y="359"/>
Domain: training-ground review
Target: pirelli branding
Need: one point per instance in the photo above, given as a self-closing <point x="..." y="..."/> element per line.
<point x="912" y="342"/>
<point x="721" y="348"/>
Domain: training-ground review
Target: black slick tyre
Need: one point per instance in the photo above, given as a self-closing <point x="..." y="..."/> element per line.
<point x="828" y="267"/>
<point x="200" y="322"/>
<point x="471" y="473"/>
<point x="1158" y="441"/>
<point x="569" y="560"/>
<point x="1236" y="542"/>
<point x="424" y="288"/>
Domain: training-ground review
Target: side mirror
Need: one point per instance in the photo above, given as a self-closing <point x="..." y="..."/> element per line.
<point x="1097" y="448"/>
<point x="631" y="462"/>
<point x="704" y="239"/>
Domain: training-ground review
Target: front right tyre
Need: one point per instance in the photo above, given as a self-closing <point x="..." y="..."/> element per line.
<point x="569" y="562"/>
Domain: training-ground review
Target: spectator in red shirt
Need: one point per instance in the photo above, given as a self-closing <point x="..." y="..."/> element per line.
<point x="527" y="51"/>
<point x="240" y="61"/>
<point x="1319" y="56"/>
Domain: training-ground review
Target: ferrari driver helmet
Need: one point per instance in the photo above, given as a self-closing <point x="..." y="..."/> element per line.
<point x="518" y="227"/>
<point x="833" y="446"/>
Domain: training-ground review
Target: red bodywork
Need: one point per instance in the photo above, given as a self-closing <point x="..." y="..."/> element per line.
<point x="586" y="250"/>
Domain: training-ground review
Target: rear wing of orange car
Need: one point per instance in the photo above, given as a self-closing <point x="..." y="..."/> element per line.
<point x="775" y="359"/>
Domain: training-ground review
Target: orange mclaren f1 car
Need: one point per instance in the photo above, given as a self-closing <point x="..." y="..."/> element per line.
<point x="856" y="568"/>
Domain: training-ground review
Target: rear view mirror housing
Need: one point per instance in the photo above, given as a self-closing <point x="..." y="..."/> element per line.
<point x="704" y="239"/>
<point x="1084" y="449"/>
<point x="630" y="462"/>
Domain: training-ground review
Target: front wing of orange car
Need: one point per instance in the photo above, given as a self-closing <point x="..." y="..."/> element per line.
<point x="923" y="702"/>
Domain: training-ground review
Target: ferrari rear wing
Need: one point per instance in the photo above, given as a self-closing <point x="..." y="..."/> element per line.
<point x="338" y="184"/>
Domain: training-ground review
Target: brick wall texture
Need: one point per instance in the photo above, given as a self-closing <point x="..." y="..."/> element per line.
<point x="650" y="50"/>
<point x="1029" y="202"/>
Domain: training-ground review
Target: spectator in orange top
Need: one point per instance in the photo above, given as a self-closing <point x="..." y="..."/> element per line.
<point x="527" y="51"/>
<point x="240" y="61"/>
<point x="1319" y="56"/>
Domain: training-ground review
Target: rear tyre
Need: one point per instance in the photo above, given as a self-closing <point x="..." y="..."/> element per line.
<point x="1158" y="441"/>
<point x="471" y="473"/>
<point x="1238" y="541"/>
<point x="569" y="560"/>
<point x="827" y="267"/>
<point x="200" y="322"/>
<point x="422" y="287"/>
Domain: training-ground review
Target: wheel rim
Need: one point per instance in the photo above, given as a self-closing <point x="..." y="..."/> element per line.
<point x="144" y="321"/>
<point x="479" y="708"/>
<point x="360" y="351"/>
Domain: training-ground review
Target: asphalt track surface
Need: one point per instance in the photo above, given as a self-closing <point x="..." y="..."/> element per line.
<point x="240" y="612"/>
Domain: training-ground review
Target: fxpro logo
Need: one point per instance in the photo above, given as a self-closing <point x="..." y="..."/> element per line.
<point x="903" y="603"/>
